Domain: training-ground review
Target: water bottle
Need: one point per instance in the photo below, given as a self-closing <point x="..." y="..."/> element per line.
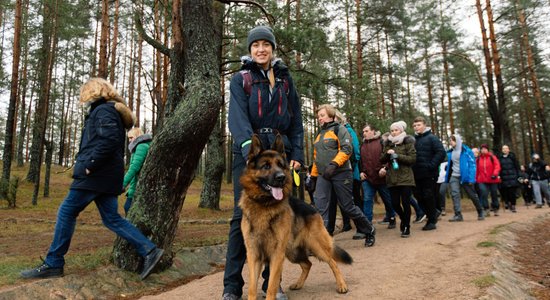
<point x="394" y="164"/>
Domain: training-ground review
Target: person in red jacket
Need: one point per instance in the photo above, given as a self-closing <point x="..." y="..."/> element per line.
<point x="487" y="176"/>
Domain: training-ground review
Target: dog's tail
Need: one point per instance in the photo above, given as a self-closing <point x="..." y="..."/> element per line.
<point x="340" y="255"/>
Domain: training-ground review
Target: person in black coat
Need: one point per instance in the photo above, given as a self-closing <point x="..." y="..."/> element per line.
<point x="509" y="173"/>
<point x="429" y="155"/>
<point x="98" y="174"/>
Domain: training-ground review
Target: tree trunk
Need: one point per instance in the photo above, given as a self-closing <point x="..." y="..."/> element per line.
<point x="502" y="106"/>
<point x="359" y="45"/>
<point x="491" y="98"/>
<point x="11" y="121"/>
<point x="114" y="44"/>
<point x="533" y="76"/>
<point x="215" y="166"/>
<point x="381" y="81"/>
<point x="429" y="87"/>
<point x="390" y="76"/>
<point x="448" y="85"/>
<point x="41" y="113"/>
<point x="48" y="161"/>
<point x="104" y="40"/>
<point x="167" y="174"/>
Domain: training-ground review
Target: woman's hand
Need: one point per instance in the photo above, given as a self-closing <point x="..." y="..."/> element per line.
<point x="390" y="152"/>
<point x="295" y="165"/>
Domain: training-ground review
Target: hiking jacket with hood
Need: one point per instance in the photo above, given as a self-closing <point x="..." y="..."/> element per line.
<point x="331" y="147"/>
<point x="487" y="166"/>
<point x="406" y="158"/>
<point x="467" y="163"/>
<point x="371" y="151"/>
<point x="537" y="170"/>
<point x="139" y="148"/>
<point x="509" y="170"/>
<point x="275" y="110"/>
<point x="102" y="148"/>
<point x="429" y="155"/>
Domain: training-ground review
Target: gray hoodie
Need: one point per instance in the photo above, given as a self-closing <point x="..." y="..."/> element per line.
<point x="455" y="156"/>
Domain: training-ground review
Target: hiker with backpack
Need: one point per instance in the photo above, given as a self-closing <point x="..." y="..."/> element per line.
<point x="263" y="101"/>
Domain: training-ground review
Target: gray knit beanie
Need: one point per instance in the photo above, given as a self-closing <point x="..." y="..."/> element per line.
<point x="261" y="33"/>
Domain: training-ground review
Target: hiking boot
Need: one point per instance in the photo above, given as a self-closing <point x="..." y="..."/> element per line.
<point x="538" y="206"/>
<point x="429" y="226"/>
<point x="346" y="227"/>
<point x="150" y="262"/>
<point x="391" y="225"/>
<point x="370" y="237"/>
<point x="495" y="212"/>
<point x="437" y="214"/>
<point x="457" y="218"/>
<point x="487" y="213"/>
<point x="513" y="208"/>
<point x="406" y="232"/>
<point x="385" y="221"/>
<point x="359" y="236"/>
<point x="42" y="271"/>
<point x="229" y="296"/>
<point x="280" y="294"/>
<point x="420" y="219"/>
<point x="443" y="213"/>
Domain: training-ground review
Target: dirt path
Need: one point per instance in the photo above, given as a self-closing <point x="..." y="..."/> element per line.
<point x="443" y="264"/>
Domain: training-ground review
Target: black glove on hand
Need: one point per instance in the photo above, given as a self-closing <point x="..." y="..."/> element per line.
<point x="493" y="177"/>
<point x="329" y="170"/>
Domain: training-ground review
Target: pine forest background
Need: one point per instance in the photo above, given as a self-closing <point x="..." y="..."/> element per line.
<point x="478" y="68"/>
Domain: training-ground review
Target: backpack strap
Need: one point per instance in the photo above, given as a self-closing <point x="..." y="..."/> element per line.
<point x="247" y="81"/>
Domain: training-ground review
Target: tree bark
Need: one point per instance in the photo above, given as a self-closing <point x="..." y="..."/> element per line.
<point x="114" y="44"/>
<point x="492" y="106"/>
<point x="11" y="121"/>
<point x="167" y="174"/>
<point x="104" y="40"/>
<point x="215" y="166"/>
<point x="390" y="76"/>
<point x="429" y="87"/>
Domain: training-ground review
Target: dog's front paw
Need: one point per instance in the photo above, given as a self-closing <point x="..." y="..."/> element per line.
<point x="296" y="286"/>
<point x="342" y="289"/>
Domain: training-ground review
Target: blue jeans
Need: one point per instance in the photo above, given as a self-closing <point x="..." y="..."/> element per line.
<point x="417" y="209"/>
<point x="107" y="204"/>
<point x="369" y="190"/>
<point x="127" y="205"/>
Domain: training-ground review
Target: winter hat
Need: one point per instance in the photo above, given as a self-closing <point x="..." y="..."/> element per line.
<point x="261" y="33"/>
<point x="484" y="146"/>
<point x="401" y="125"/>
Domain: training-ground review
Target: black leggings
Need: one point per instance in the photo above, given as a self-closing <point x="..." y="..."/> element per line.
<point x="401" y="202"/>
<point x="509" y="195"/>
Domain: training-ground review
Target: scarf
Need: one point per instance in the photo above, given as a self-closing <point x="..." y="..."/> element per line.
<point x="397" y="139"/>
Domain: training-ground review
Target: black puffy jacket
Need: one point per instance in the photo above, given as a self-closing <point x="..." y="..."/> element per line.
<point x="429" y="155"/>
<point x="509" y="170"/>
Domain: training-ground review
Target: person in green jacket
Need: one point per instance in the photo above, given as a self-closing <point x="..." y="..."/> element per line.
<point x="400" y="154"/>
<point x="139" y="147"/>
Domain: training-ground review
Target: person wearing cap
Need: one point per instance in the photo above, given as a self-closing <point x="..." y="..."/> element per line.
<point x="538" y="173"/>
<point x="400" y="155"/>
<point x="488" y="178"/>
<point x="98" y="174"/>
<point x="263" y="101"/>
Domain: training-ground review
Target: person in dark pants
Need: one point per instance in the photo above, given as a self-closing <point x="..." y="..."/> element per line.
<point x="429" y="155"/>
<point x="266" y="104"/>
<point x="487" y="176"/>
<point x="98" y="174"/>
<point x="399" y="153"/>
<point x="509" y="174"/>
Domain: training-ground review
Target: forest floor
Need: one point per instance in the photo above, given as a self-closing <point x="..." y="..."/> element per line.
<point x="496" y="258"/>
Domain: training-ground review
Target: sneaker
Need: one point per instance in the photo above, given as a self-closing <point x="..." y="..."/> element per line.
<point x="229" y="296"/>
<point x="429" y="226"/>
<point x="538" y="206"/>
<point x="359" y="236"/>
<point x="385" y="221"/>
<point x="391" y="225"/>
<point x="42" y="271"/>
<point x="495" y="212"/>
<point x="513" y="208"/>
<point x="406" y="232"/>
<point x="480" y="216"/>
<point x="487" y="213"/>
<point x="420" y="219"/>
<point x="150" y="262"/>
<point x="456" y="218"/>
<point x="280" y="294"/>
<point x="443" y="213"/>
<point x="371" y="237"/>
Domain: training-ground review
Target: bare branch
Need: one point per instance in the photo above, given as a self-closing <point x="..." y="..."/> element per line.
<point x="151" y="41"/>
<point x="269" y="16"/>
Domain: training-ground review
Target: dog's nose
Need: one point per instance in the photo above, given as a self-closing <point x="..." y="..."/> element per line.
<point x="280" y="177"/>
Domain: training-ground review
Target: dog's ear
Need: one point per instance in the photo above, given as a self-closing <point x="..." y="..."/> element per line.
<point x="255" y="147"/>
<point x="279" y="145"/>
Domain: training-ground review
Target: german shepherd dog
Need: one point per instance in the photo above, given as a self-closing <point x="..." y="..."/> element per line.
<point x="275" y="225"/>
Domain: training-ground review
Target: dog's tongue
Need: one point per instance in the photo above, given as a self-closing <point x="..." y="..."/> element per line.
<point x="277" y="193"/>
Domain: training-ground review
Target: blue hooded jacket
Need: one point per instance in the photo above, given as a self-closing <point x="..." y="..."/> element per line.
<point x="467" y="165"/>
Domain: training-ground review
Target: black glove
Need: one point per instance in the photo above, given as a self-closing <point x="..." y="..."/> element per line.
<point x="329" y="170"/>
<point x="493" y="177"/>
